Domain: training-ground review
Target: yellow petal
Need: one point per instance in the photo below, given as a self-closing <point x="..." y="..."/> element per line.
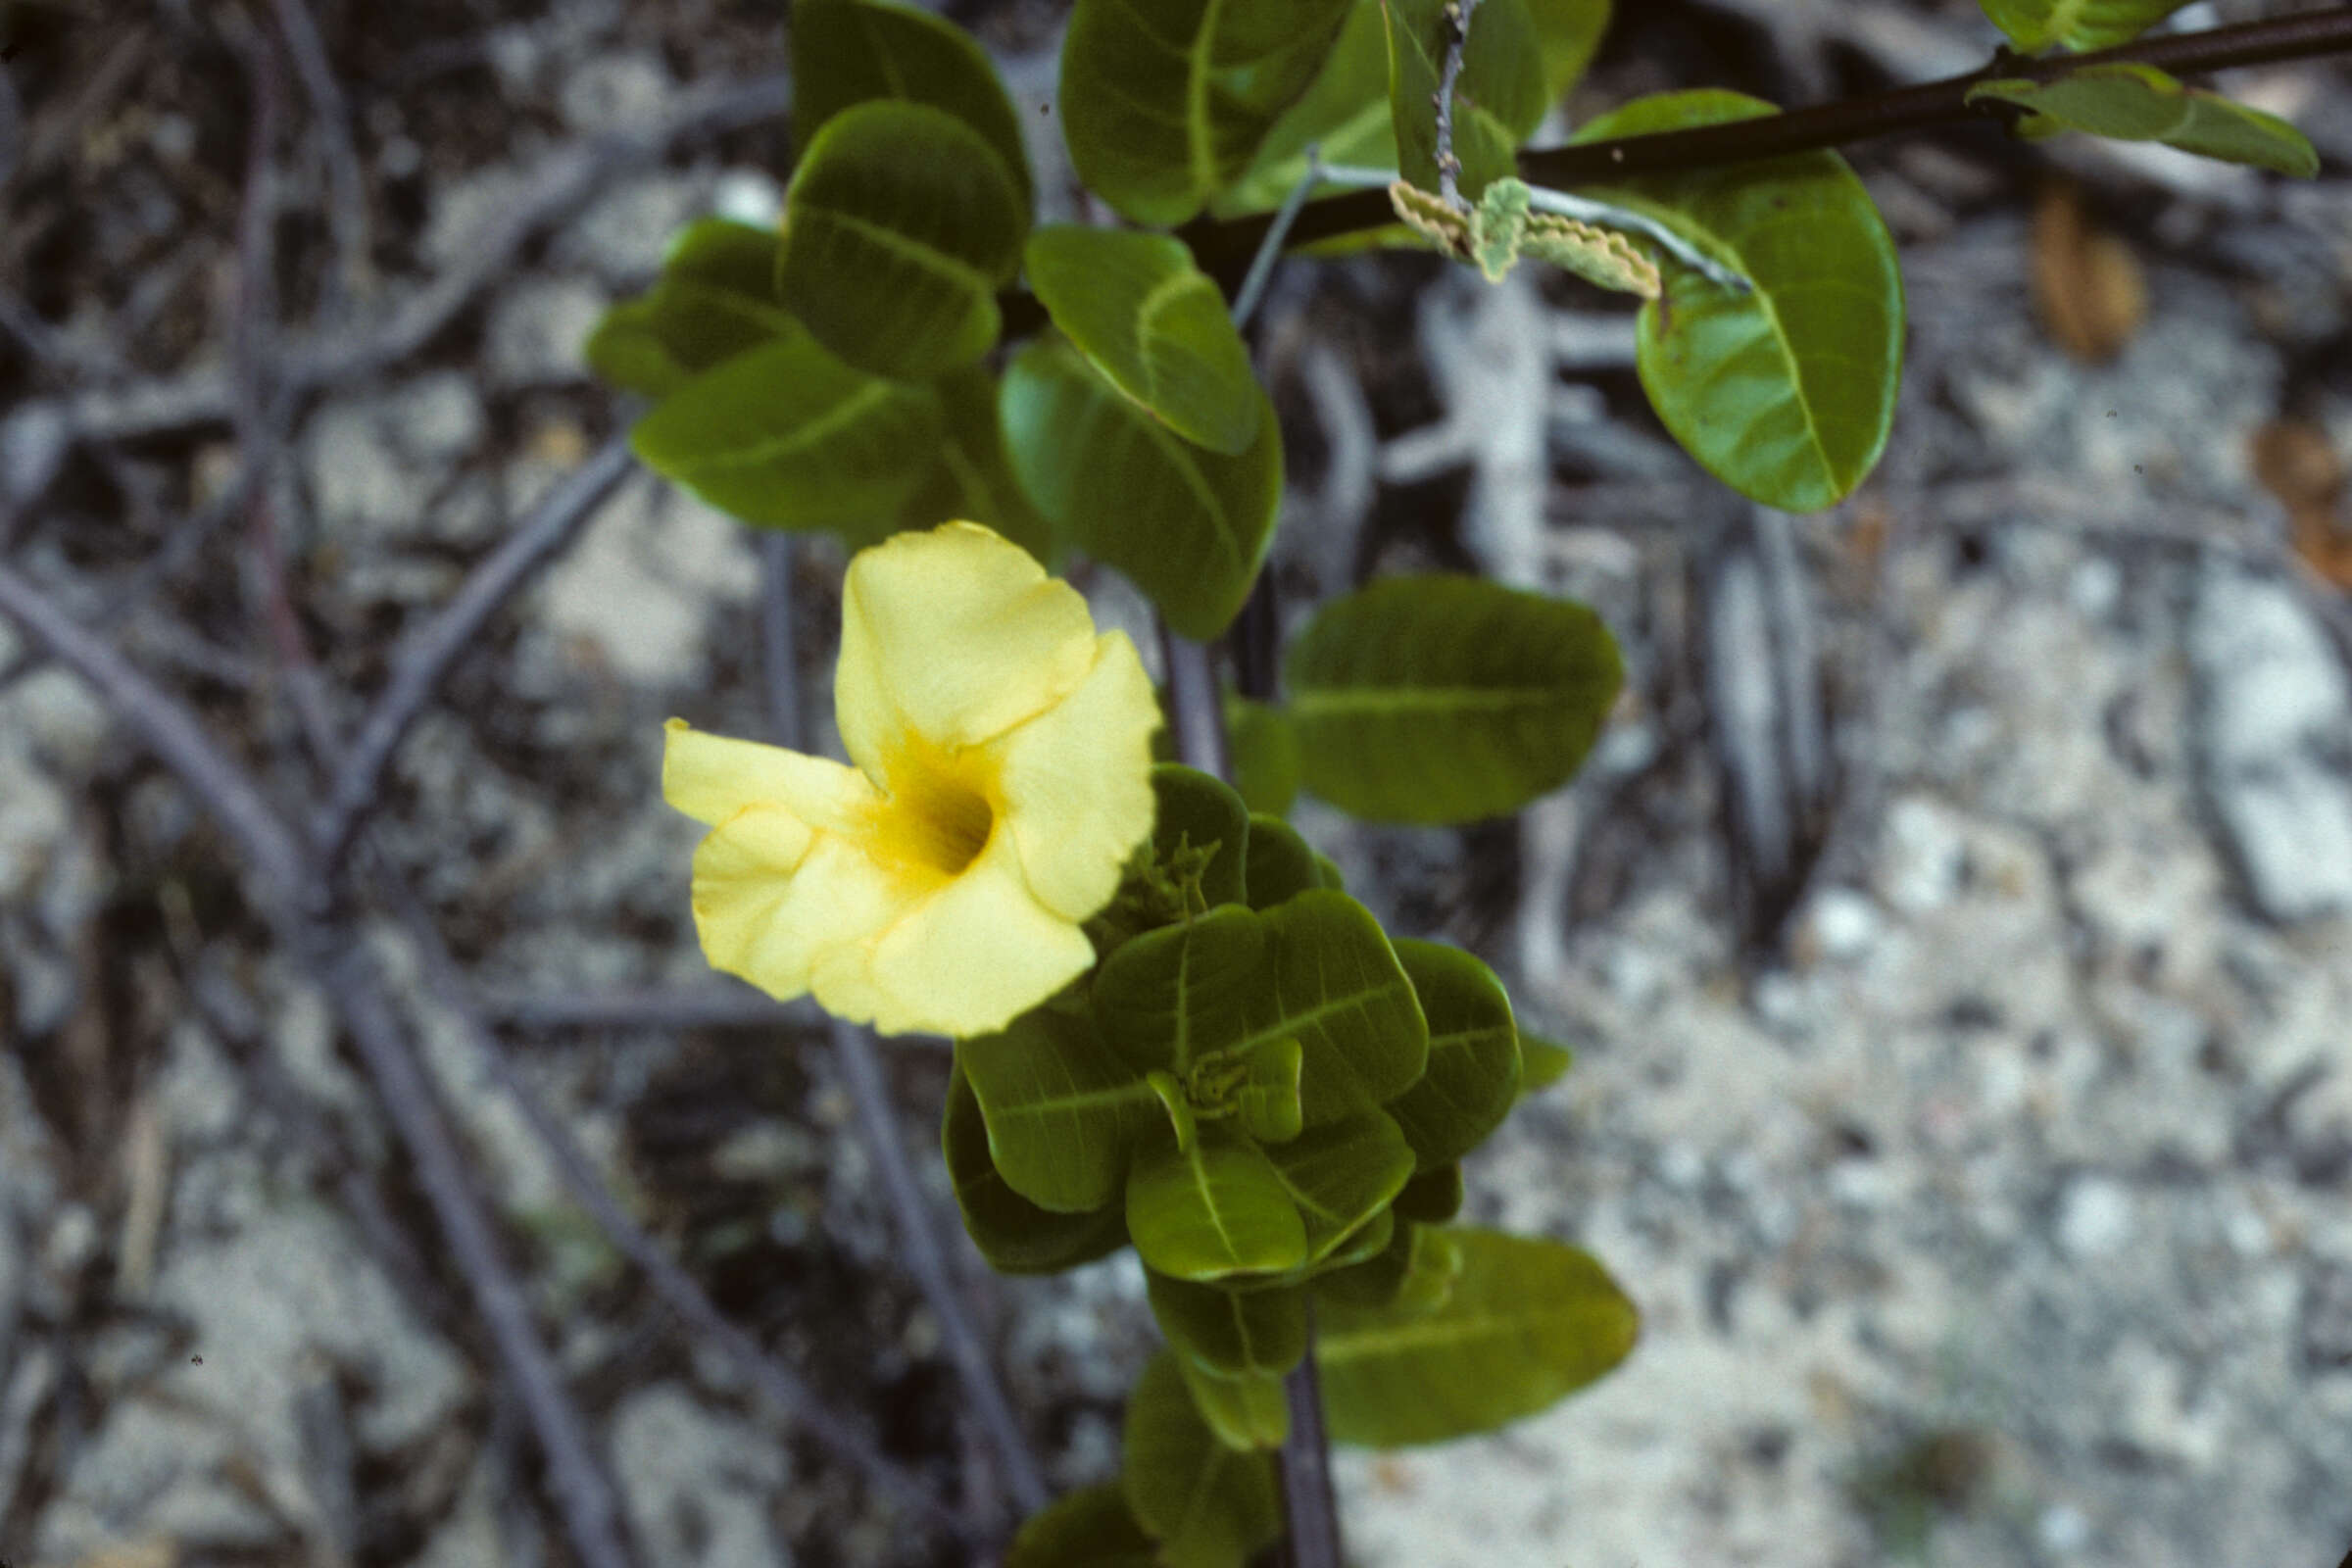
<point x="772" y="898"/>
<point x="954" y="634"/>
<point x="974" y="954"/>
<point x="712" y="778"/>
<point x="1076" y="783"/>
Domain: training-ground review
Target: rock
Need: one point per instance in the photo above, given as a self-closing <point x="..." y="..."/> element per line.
<point x="618" y="92"/>
<point x="2273" y="717"/>
<point x="539" y="328"/>
<point x="623" y="235"/>
<point x="2095" y="1217"/>
<point x="375" y="464"/>
<point x="697" y="1484"/>
<point x="33" y="818"/>
<point x="634" y="596"/>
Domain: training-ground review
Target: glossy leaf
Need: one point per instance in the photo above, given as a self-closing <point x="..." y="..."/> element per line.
<point x="1446" y="699"/>
<point x="1281" y="865"/>
<point x="787" y="436"/>
<point x="1316" y="969"/>
<point x="1433" y="1196"/>
<point x="1784" y="390"/>
<point x="1542" y="1062"/>
<point x="1473" y="1073"/>
<point x="1213" y="1210"/>
<point x="1500" y="95"/>
<point x="715" y="299"/>
<point x="1345" y="113"/>
<point x="1341" y="1174"/>
<point x="1527" y="1322"/>
<point x="899" y="227"/>
<point x="847" y="52"/>
<point x="1156" y="324"/>
<point x="1015" y="1235"/>
<point x="1369" y="1241"/>
<point x="1209" y="1505"/>
<point x="2032" y="25"/>
<point x="1165" y="102"/>
<point x="971" y="480"/>
<point x="1187" y="525"/>
<point x="1062" y="1111"/>
<point x="1231" y="1331"/>
<point x="1092" y="1528"/>
<point x="2130" y="102"/>
<point x="1265" y="755"/>
<point x="1245" y="1410"/>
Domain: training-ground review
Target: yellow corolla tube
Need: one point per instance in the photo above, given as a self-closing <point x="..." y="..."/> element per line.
<point x="1003" y="752"/>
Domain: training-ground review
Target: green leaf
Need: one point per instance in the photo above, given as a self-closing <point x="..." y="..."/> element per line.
<point x="1213" y="1210"/>
<point x="1245" y="1410"/>
<point x="1062" y="1111"/>
<point x="1209" y="1505"/>
<point x="1265" y="755"/>
<point x="715" y="299"/>
<point x="1528" y="1322"/>
<point x="972" y="480"/>
<point x="899" y="227"/>
<point x="1281" y="865"/>
<point x="1346" y="113"/>
<point x="1187" y="525"/>
<point x="1497" y="100"/>
<point x="1267" y="1103"/>
<point x="1542" y="1062"/>
<point x="1446" y="699"/>
<point x="1165" y="102"/>
<point x="1316" y="969"/>
<point x="787" y="436"/>
<point x="1015" y="1235"/>
<point x="1146" y="317"/>
<point x="1422" y="1254"/>
<point x="1568" y="33"/>
<point x="1231" y="1331"/>
<point x="1341" y="1174"/>
<point x="1784" y="390"/>
<point x="2130" y="102"/>
<point x="1369" y="1241"/>
<point x="1093" y="1527"/>
<point x="1433" y="1196"/>
<point x="1472" y="1073"/>
<point x="847" y="52"/>
<point x="1198" y="813"/>
<point x="2032" y="25"/>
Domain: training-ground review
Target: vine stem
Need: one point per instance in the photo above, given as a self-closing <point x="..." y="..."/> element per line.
<point x="1457" y="40"/>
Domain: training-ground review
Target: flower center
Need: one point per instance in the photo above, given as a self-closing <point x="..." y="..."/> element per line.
<point x="939" y="817"/>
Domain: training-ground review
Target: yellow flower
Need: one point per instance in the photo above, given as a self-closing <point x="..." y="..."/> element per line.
<point x="1003" y="775"/>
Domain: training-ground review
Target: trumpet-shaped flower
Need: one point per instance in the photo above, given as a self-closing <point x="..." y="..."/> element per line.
<point x="1003" y="752"/>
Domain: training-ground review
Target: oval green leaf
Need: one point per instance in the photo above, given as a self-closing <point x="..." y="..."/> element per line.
<point x="1784" y="390"/>
<point x="787" y="436"/>
<point x="715" y="299"/>
<point x="1245" y="1410"/>
<point x="2131" y="102"/>
<point x="1146" y="317"/>
<point x="1187" y="525"/>
<point x="1433" y="1196"/>
<point x="849" y="52"/>
<point x="1231" y="1331"/>
<point x="1472" y="1073"/>
<point x="899" y="227"/>
<point x="1316" y="969"/>
<point x="1061" y="1110"/>
<point x="1281" y="865"/>
<point x="1542" y="1062"/>
<point x="972" y="480"/>
<point x="1265" y="755"/>
<point x="1345" y="113"/>
<point x="1209" y="1505"/>
<point x="1446" y="699"/>
<point x="1341" y="1174"/>
<point x="1015" y="1235"/>
<point x="2032" y="25"/>
<point x="1093" y="1527"/>
<point x="1526" y="1323"/>
<point x="1211" y="1210"/>
<point x="1165" y="102"/>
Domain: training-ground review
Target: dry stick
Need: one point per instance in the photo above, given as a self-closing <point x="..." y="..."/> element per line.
<point x="860" y="1068"/>
<point x="665" y="1011"/>
<point x="347" y="205"/>
<point x="1450" y="165"/>
<point x="293" y="894"/>
<point x="426" y="654"/>
<point x="778" y="1384"/>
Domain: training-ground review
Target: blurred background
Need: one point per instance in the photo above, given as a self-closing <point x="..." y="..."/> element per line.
<point x="1954" y="926"/>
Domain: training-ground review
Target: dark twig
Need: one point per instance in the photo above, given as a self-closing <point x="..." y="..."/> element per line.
<point x="1269" y="251"/>
<point x="1458" y="40"/>
<point x="1307" y="1501"/>
<point x="665" y="1011"/>
<point x="424" y="656"/>
<point x="1199" y="719"/>
<point x="347" y="202"/>
<point x="779" y="1384"/>
<point x="860" y="1070"/>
